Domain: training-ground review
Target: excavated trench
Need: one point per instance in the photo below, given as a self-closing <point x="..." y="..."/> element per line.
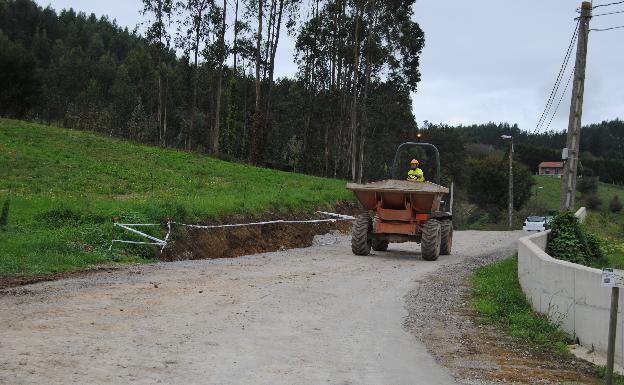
<point x="227" y="242"/>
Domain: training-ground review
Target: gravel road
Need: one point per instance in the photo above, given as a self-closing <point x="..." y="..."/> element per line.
<point x="305" y="316"/>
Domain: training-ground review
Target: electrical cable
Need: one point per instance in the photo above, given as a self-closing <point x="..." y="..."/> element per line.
<point x="606" y="29"/>
<point x="608" y="13"/>
<point x="555" y="89"/>
<point x="560" y="99"/>
<point x="607" y="5"/>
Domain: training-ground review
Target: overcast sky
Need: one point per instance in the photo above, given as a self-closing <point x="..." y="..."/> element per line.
<point x="488" y="60"/>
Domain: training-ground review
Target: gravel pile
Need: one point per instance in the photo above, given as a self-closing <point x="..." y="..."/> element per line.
<point x="334" y="237"/>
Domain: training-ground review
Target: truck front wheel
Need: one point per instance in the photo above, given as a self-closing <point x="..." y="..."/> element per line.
<point x="430" y="240"/>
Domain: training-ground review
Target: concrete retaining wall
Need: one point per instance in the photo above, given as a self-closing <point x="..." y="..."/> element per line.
<point x="568" y="294"/>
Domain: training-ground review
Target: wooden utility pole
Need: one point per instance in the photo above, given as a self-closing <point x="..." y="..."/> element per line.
<point x="615" y="296"/>
<point x="510" y="202"/>
<point x="510" y="205"/>
<point x="568" y="185"/>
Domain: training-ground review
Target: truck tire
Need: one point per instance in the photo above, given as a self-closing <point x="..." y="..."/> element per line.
<point x="379" y="245"/>
<point x="360" y="245"/>
<point x="446" y="237"/>
<point x="430" y="240"/>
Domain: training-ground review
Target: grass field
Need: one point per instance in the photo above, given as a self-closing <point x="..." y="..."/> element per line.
<point x="65" y="186"/>
<point x="550" y="192"/>
<point x="601" y="222"/>
<point x="499" y="300"/>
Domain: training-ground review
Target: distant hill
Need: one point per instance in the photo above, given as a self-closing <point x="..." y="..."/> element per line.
<point x="602" y="145"/>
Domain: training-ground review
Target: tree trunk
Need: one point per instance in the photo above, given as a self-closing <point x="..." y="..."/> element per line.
<point x="163" y="142"/>
<point x="367" y="76"/>
<point x="195" y="81"/>
<point x="159" y="16"/>
<point x="243" y="144"/>
<point x="235" y="44"/>
<point x="326" y="147"/>
<point x="272" y="64"/>
<point x="258" y="120"/>
<point x="214" y="142"/>
<point x="270" y="34"/>
<point x="160" y="133"/>
<point x="354" y="107"/>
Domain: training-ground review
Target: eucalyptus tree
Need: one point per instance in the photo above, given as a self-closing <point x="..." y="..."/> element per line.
<point x="192" y="35"/>
<point x="265" y="61"/>
<point x="348" y="46"/>
<point x="221" y="55"/>
<point x="159" y="14"/>
<point x="256" y="130"/>
<point x="235" y="135"/>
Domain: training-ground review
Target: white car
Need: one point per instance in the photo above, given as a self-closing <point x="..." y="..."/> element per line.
<point x="535" y="223"/>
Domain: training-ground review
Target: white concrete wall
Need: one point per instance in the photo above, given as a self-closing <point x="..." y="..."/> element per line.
<point x="581" y="214"/>
<point x="569" y="294"/>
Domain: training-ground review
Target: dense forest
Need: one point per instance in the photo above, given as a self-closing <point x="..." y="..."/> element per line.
<point x="601" y="146"/>
<point x="345" y="111"/>
<point x="201" y="77"/>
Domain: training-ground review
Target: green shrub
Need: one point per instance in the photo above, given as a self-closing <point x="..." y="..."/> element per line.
<point x="587" y="185"/>
<point x="615" y="206"/>
<point x="592" y="201"/>
<point x="571" y="242"/>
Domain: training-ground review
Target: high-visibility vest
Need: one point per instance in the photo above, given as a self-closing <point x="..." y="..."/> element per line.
<point x="416" y="175"/>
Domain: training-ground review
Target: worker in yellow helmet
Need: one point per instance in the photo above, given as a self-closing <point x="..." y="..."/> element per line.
<point x="415" y="174"/>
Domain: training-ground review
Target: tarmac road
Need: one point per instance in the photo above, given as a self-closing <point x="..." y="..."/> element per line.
<point x="318" y="315"/>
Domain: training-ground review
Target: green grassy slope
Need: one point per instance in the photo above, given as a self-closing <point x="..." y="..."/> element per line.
<point x="601" y="222"/>
<point x="551" y="191"/>
<point x="65" y="186"/>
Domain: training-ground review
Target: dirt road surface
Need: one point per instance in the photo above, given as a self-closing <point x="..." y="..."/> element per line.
<point x="318" y="315"/>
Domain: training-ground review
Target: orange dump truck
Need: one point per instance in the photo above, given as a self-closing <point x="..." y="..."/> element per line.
<point x="404" y="211"/>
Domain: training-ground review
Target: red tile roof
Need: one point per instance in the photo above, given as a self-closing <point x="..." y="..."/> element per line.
<point x="550" y="164"/>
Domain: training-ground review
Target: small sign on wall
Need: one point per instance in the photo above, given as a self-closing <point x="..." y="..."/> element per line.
<point x="612" y="277"/>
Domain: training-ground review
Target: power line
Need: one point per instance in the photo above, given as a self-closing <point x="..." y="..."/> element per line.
<point x="560" y="99"/>
<point x="555" y="89"/>
<point x="607" y="5"/>
<point x="553" y="92"/>
<point x="606" y="29"/>
<point x="608" y="13"/>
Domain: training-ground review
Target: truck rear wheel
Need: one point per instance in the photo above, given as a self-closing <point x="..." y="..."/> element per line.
<point x="360" y="245"/>
<point x="430" y="240"/>
<point x="379" y="245"/>
<point x="446" y="244"/>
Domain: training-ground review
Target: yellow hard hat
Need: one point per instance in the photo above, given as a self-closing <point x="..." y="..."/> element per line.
<point x="414" y="161"/>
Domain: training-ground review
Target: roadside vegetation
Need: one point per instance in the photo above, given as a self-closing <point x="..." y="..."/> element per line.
<point x="604" y="225"/>
<point x="60" y="188"/>
<point x="498" y="300"/>
<point x="570" y="241"/>
<point x="497" y="296"/>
